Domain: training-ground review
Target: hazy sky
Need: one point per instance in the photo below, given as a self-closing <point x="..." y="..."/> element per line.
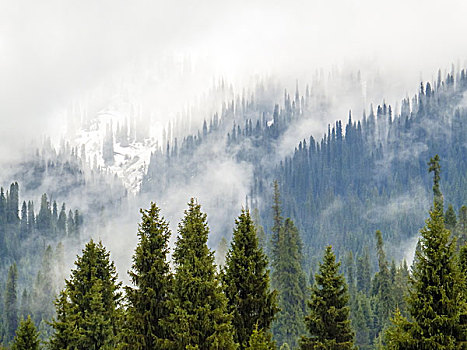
<point x="52" y="50"/>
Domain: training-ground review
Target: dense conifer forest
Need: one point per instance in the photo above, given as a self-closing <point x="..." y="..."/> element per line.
<point x="316" y="258"/>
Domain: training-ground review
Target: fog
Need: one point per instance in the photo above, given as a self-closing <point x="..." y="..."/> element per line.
<point x="51" y="51"/>
<point x="56" y="55"/>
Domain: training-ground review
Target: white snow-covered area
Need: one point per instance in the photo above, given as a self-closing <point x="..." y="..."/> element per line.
<point x="130" y="162"/>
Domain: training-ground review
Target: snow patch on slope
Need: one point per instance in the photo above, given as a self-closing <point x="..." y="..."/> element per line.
<point x="131" y="160"/>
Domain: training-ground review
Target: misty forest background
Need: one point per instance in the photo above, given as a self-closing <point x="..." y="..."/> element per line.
<point x="364" y="188"/>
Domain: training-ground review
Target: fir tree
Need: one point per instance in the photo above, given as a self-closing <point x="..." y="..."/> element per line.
<point x="11" y="305"/>
<point x="87" y="309"/>
<point x="450" y="219"/>
<point x="436" y="299"/>
<point x="382" y="287"/>
<point x="150" y="274"/>
<point x="246" y="283"/>
<point x="260" y="340"/>
<point x="290" y="282"/>
<point x="328" y="321"/>
<point x="27" y="337"/>
<point x="199" y="319"/>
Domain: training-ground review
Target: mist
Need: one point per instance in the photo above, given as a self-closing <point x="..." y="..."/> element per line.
<point x="63" y="63"/>
<point x="52" y="51"/>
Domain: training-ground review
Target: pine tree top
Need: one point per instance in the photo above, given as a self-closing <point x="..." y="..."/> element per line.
<point x="27" y="337"/>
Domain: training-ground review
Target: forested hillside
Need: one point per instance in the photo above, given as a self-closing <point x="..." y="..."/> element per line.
<point x="364" y="188"/>
<point x="364" y="174"/>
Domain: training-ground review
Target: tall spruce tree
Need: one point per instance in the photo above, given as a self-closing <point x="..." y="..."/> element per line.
<point x="199" y="318"/>
<point x="87" y="309"/>
<point x="436" y="301"/>
<point x="152" y="279"/>
<point x="328" y="321"/>
<point x="27" y="337"/>
<point x="382" y="288"/>
<point x="11" y="305"/>
<point x="246" y="283"/>
<point x="291" y="285"/>
<point x="288" y="277"/>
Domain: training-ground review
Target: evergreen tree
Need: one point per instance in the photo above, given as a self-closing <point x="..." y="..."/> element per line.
<point x="328" y="321"/>
<point x="87" y="309"/>
<point x="44" y="288"/>
<point x="290" y="282"/>
<point x="44" y="219"/>
<point x="461" y="228"/>
<point x="278" y="224"/>
<point x="61" y="222"/>
<point x="364" y="272"/>
<point x="382" y="287"/>
<point x="246" y="283"/>
<point x="260" y="340"/>
<point x="199" y="319"/>
<point x="11" y="305"/>
<point x="288" y="277"/>
<point x="151" y="276"/>
<point x="27" y="337"/>
<point x="436" y="299"/>
<point x="435" y="167"/>
<point x="23" y="232"/>
<point x="450" y="219"/>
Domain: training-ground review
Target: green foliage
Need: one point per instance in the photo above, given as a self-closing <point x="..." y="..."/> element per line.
<point x="260" y="340"/>
<point x="199" y="318"/>
<point x="27" y="337"/>
<point x="11" y="305"/>
<point x="328" y="321"/>
<point x="246" y="284"/>
<point x="287" y="277"/>
<point x="152" y="280"/>
<point x="436" y="299"/>
<point x="87" y="309"/>
<point x="364" y="273"/>
<point x="383" y="288"/>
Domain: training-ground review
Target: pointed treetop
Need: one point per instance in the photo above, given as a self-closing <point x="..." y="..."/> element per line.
<point x="436" y="169"/>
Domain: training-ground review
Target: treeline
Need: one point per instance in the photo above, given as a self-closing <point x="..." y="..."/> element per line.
<point x="190" y="304"/>
<point x="32" y="258"/>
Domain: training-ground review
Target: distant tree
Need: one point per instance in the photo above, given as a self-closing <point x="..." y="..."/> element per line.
<point x="44" y="219"/>
<point x="288" y="277"/>
<point x="290" y="281"/>
<point x="11" y="305"/>
<point x="23" y="232"/>
<point x="364" y="273"/>
<point x="382" y="287"/>
<point x="199" y="319"/>
<point x="450" y="219"/>
<point x="152" y="280"/>
<point x="44" y="288"/>
<point x="61" y="222"/>
<point x="27" y="337"/>
<point x="328" y="321"/>
<point x="246" y="283"/>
